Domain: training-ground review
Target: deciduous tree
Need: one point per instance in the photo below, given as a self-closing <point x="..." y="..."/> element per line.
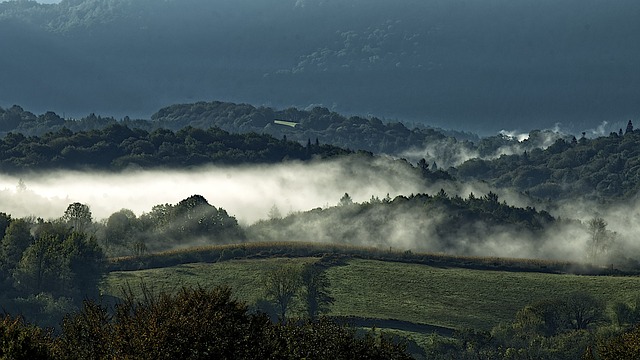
<point x="282" y="286"/>
<point x="600" y="239"/>
<point x="78" y="216"/>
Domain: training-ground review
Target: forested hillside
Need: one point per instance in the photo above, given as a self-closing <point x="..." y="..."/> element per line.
<point x="542" y="164"/>
<point x="603" y="168"/>
<point x="425" y="222"/>
<point x="445" y="148"/>
<point x="117" y="147"/>
<point x="356" y="133"/>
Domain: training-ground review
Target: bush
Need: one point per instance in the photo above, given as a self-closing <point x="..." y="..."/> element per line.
<point x="204" y="324"/>
<point x="19" y="340"/>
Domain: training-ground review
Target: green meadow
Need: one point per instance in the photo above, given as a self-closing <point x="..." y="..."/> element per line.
<point x="450" y="297"/>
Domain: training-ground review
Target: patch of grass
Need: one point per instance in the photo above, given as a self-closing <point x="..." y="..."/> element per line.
<point x="450" y="297"/>
<point x="456" y="297"/>
<point x="243" y="276"/>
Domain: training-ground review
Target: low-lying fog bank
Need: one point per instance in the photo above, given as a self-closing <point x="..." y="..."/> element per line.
<point x="248" y="192"/>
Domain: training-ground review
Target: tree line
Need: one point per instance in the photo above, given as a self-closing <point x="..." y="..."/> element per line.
<point x="118" y="147"/>
<point x="604" y="168"/>
<point x="546" y="165"/>
<point x="569" y="326"/>
<point x="433" y="222"/>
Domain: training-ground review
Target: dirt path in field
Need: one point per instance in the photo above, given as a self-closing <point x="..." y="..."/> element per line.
<point x="394" y="324"/>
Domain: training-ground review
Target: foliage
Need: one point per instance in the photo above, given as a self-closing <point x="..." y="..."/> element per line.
<point x="21" y="341"/>
<point x="625" y="314"/>
<point x="601" y="240"/>
<point x="197" y="323"/>
<point x="78" y="216"/>
<point x="546" y="329"/>
<point x="192" y="221"/>
<point x="282" y="286"/>
<point x="16" y="240"/>
<point x="550" y="317"/>
<point x="48" y="267"/>
<point x="355" y="132"/>
<point x="432" y="222"/>
<point x="292" y="284"/>
<point x="117" y="147"/>
<point x="316" y="294"/>
<point x="193" y="324"/>
<point x="604" y="168"/>
<point x="625" y="346"/>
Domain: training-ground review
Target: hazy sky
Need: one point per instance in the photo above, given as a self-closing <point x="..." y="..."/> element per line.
<point x="481" y="66"/>
<point x="41" y="1"/>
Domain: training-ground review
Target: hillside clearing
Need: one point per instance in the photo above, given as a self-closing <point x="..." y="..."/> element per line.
<point x="450" y="297"/>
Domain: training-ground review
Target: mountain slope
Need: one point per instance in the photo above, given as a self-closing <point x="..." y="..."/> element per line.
<point x="457" y="64"/>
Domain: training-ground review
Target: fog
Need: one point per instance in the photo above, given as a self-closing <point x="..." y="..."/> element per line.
<point x="449" y="152"/>
<point x="250" y="193"/>
<point x="247" y="192"/>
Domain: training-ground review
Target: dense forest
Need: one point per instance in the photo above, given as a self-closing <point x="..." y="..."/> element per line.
<point x="543" y="164"/>
<point x="117" y="147"/>
<point x="353" y="132"/>
<point x="602" y="168"/>
<point x="447" y="147"/>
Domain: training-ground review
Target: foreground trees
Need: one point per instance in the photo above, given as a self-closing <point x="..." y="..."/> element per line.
<point x="48" y="267"/>
<point x="564" y="327"/>
<point x="193" y="324"/>
<point x="623" y="347"/>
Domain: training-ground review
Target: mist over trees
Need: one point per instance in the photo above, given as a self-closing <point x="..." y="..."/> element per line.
<point x="190" y="222"/>
<point x="316" y="71"/>
<point x="604" y="168"/>
<point x="48" y="267"/>
<point x="435" y="223"/>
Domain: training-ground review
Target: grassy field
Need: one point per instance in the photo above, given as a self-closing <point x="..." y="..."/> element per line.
<point x="449" y="297"/>
<point x="243" y="276"/>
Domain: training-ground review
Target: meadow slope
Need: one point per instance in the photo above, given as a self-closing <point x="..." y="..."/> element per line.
<point x="450" y="297"/>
